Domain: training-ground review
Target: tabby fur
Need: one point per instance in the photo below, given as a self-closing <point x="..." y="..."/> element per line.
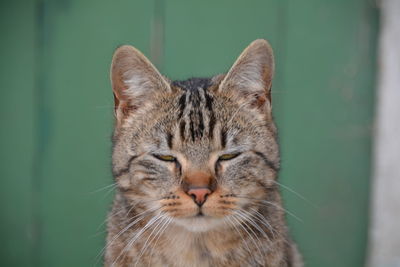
<point x="170" y="138"/>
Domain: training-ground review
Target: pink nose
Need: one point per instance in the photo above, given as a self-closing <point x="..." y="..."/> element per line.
<point x="199" y="194"/>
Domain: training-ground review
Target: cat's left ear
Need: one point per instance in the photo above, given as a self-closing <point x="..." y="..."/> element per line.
<point x="250" y="78"/>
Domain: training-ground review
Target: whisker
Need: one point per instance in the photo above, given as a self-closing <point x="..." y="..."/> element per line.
<point x="227" y="219"/>
<point x="135" y="219"/>
<point x="158" y="223"/>
<point x="240" y="222"/>
<point x="297" y="194"/>
<point x="120" y="211"/>
<point x="136" y="237"/>
<point x="113" y="185"/>
<point x="272" y="204"/>
<point x="163" y="228"/>
<point x="246" y="219"/>
<point x="264" y="221"/>
<point x="249" y="216"/>
<point x="284" y="210"/>
<point x="108" y="218"/>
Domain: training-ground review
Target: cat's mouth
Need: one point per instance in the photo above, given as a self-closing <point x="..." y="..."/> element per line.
<point x="203" y="216"/>
<point x="199" y="214"/>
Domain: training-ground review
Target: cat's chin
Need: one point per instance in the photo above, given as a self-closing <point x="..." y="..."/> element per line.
<point x="199" y="223"/>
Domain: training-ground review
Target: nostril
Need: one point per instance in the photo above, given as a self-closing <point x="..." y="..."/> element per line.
<point x="199" y="195"/>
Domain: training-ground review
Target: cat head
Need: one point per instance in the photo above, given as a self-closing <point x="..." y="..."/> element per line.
<point x="199" y="151"/>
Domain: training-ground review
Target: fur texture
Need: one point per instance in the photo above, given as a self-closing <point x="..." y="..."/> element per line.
<point x="196" y="163"/>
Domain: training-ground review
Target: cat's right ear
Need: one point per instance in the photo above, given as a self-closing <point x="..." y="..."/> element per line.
<point x="250" y="77"/>
<point x="135" y="81"/>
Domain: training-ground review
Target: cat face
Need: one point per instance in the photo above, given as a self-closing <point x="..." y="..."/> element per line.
<point x="201" y="151"/>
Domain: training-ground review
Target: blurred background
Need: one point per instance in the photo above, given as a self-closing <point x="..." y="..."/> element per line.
<point x="56" y="108"/>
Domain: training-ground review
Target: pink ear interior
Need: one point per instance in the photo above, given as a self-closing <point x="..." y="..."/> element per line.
<point x="251" y="75"/>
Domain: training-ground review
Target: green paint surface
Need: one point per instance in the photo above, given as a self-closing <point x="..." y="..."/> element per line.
<point x="56" y="108"/>
<point x="17" y="133"/>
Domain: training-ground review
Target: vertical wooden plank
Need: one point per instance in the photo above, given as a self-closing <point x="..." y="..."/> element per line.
<point x="323" y="101"/>
<point x="17" y="53"/>
<point x="327" y="126"/>
<point x="203" y="38"/>
<point x="80" y="39"/>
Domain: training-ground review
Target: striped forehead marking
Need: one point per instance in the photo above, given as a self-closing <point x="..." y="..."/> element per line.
<point x="196" y="116"/>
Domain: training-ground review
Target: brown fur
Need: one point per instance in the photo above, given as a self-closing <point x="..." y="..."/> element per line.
<point x="201" y="135"/>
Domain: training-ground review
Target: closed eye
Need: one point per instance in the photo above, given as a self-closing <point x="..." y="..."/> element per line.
<point x="228" y="156"/>
<point x="165" y="158"/>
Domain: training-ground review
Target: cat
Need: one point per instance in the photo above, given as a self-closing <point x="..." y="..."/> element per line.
<point x="195" y="163"/>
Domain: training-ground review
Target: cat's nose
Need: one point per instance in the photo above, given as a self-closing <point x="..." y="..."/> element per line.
<point x="199" y="194"/>
<point x="198" y="185"/>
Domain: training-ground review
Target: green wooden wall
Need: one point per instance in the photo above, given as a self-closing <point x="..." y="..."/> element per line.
<point x="56" y="112"/>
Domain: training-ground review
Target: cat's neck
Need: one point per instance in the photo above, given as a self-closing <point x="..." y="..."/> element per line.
<point x="199" y="247"/>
